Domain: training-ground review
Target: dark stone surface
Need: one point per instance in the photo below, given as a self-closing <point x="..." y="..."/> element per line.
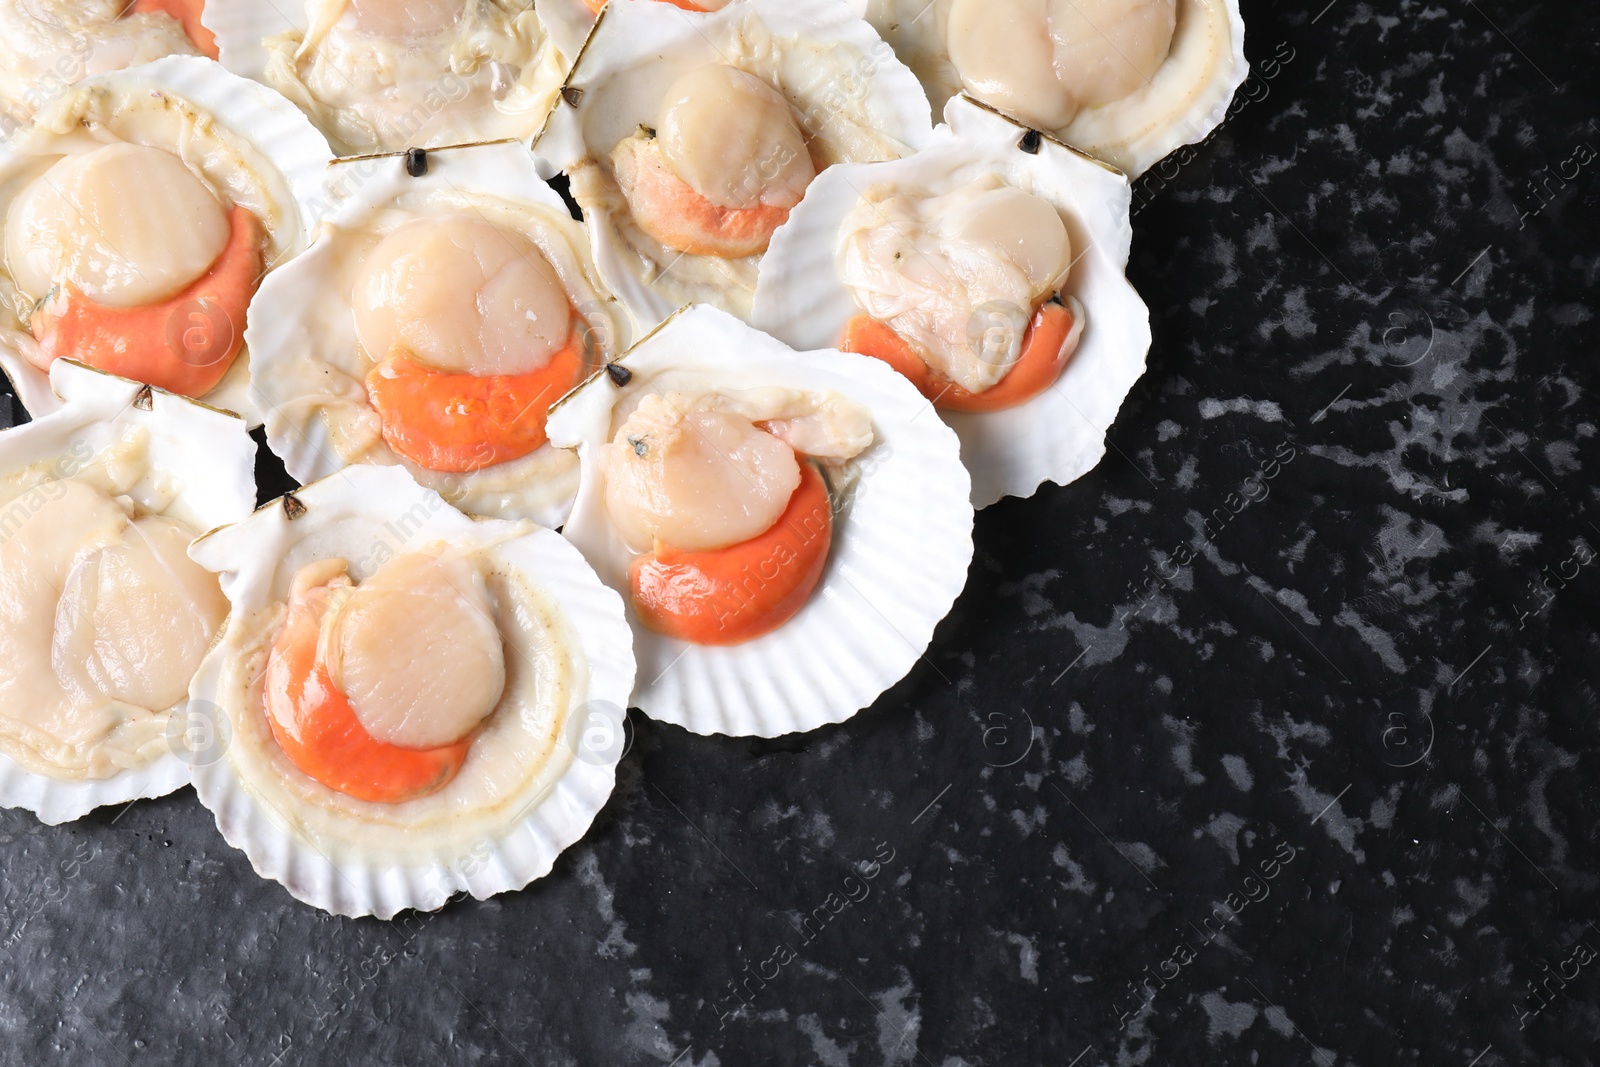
<point x="1365" y="695"/>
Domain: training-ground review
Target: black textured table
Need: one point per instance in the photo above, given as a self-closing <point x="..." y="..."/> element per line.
<point x="1271" y="741"/>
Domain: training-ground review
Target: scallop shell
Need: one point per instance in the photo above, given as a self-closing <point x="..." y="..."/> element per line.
<point x="243" y="29"/>
<point x="568" y="22"/>
<point x="322" y="856"/>
<point x="1059" y="435"/>
<point x="40" y="57"/>
<point x="246" y="110"/>
<point x="1132" y="134"/>
<point x="816" y="52"/>
<point x="212" y="458"/>
<point x="874" y="612"/>
<point x="302" y="332"/>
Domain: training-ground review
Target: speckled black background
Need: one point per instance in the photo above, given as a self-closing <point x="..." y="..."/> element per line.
<point x="1272" y="741"/>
